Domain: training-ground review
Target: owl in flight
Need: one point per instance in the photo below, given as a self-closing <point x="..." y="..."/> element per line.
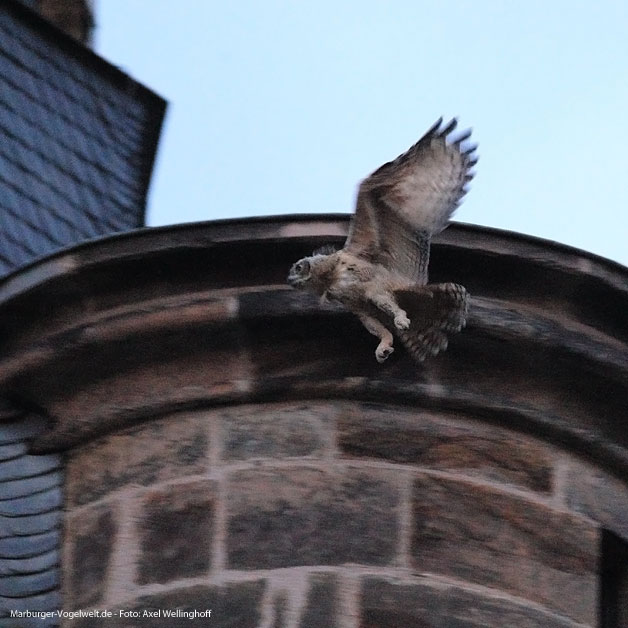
<point x="381" y="272"/>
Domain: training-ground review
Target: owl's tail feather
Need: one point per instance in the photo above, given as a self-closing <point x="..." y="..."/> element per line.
<point x="435" y="310"/>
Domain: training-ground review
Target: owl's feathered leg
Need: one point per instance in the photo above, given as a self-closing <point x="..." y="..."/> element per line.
<point x="385" y="302"/>
<point x="384" y="348"/>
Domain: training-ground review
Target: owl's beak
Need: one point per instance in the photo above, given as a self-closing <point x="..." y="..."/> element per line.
<point x="295" y="279"/>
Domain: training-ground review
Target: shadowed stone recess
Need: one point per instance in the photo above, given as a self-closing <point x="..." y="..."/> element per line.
<point x="469" y="447"/>
<point x="93" y="533"/>
<point x="496" y="539"/>
<point x="304" y="516"/>
<point x="175" y="528"/>
<point x="275" y="431"/>
<point x="321" y="610"/>
<point x="167" y="448"/>
<point x="392" y="604"/>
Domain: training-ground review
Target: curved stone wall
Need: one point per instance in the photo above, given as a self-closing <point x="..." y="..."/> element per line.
<point x="231" y="442"/>
<point x="315" y="510"/>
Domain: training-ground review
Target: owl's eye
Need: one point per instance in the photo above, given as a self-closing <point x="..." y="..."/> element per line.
<point x="299" y="267"/>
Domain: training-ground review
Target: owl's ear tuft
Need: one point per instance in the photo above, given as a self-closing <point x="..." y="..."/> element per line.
<point x="328" y="249"/>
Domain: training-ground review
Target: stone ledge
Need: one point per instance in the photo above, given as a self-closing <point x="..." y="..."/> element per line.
<point x="171" y="335"/>
<point x="587" y="441"/>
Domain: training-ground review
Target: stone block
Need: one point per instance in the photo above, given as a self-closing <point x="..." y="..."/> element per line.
<point x="91" y="534"/>
<point x="493" y="538"/>
<point x="163" y="449"/>
<point x="386" y="603"/>
<point x="321" y="609"/>
<point x="448" y="444"/>
<point x="175" y="529"/>
<point x="276" y="431"/>
<point x="598" y="495"/>
<point x="310" y="516"/>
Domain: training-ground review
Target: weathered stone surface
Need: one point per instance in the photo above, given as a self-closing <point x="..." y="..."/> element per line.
<point x="321" y="609"/>
<point x="235" y="605"/>
<point x="465" y="446"/>
<point x="393" y="604"/>
<point x="493" y="538"/>
<point x="598" y="495"/>
<point x="276" y="431"/>
<point x="92" y="535"/>
<point x="170" y="447"/>
<point x="164" y="370"/>
<point x="306" y="516"/>
<point x="279" y="610"/>
<point x="175" y="528"/>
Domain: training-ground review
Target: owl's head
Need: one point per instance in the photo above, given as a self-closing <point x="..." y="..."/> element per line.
<point x="313" y="272"/>
<point x="300" y="273"/>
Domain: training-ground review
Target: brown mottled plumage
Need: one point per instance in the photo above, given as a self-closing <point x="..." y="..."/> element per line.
<point x="381" y="273"/>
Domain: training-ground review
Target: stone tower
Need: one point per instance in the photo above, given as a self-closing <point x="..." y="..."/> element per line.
<point x="232" y="446"/>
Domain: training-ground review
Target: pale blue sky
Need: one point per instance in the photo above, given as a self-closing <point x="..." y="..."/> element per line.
<point x="283" y="106"/>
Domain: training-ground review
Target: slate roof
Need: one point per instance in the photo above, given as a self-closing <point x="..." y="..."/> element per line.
<point x="78" y="141"/>
<point x="31" y="504"/>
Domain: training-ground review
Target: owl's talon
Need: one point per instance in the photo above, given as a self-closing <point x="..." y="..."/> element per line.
<point x="382" y="354"/>
<point x="402" y="322"/>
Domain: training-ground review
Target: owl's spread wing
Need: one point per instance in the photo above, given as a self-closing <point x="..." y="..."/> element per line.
<point x="406" y="201"/>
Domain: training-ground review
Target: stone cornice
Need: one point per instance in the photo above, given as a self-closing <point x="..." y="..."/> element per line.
<point x="160" y="320"/>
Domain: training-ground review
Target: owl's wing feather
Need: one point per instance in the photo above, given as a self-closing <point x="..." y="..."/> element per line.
<point x="435" y="312"/>
<point x="406" y="201"/>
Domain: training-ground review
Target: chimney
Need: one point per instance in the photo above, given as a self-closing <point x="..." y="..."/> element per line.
<point x="74" y="17"/>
